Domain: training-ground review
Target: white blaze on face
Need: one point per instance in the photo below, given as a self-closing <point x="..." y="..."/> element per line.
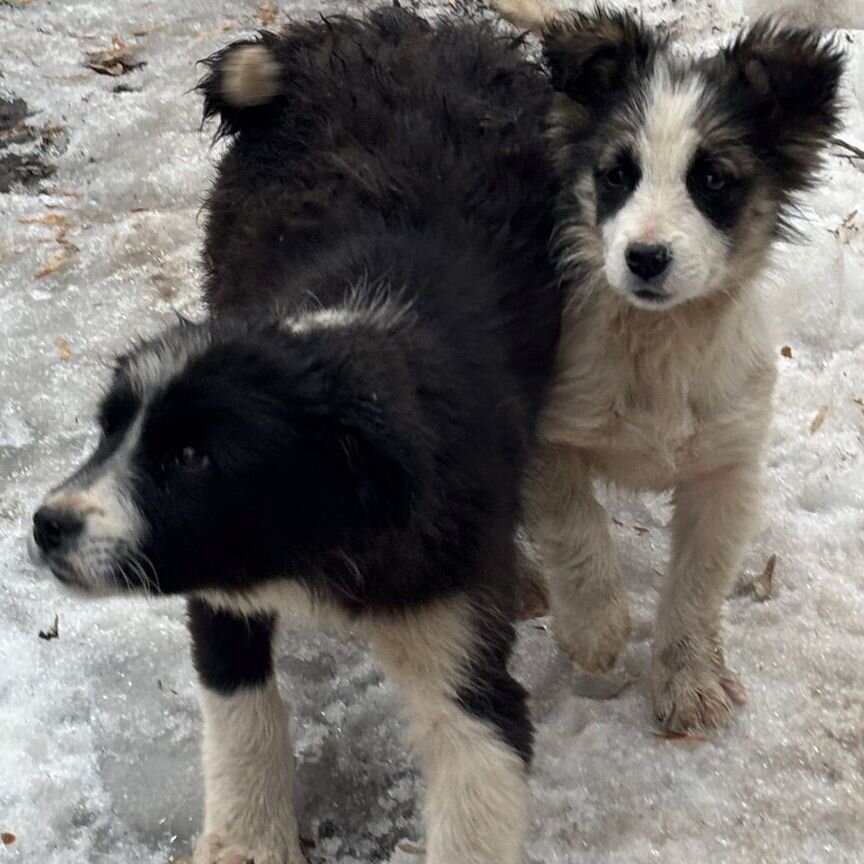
<point x="661" y="211"/>
<point x="112" y="527"/>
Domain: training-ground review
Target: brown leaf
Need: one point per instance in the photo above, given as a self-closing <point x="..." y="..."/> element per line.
<point x="65" y="350"/>
<point x="819" y="419"/>
<point x="786" y="351"/>
<point x="666" y="735"/>
<point x="7" y="838"/>
<point x="57" y="260"/>
<point x="53" y="632"/>
<point x="763" y="585"/>
<point x="411" y="848"/>
<point x="267" y="13"/>
<point x="47" y="219"/>
<point x="117" y="60"/>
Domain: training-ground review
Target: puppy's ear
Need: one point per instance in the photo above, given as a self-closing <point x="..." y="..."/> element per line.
<point x="593" y="57"/>
<point x="375" y="467"/>
<point x="788" y="79"/>
<point x="241" y="81"/>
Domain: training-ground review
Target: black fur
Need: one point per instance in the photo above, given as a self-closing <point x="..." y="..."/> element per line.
<point x="230" y="652"/>
<point x="399" y="175"/>
<point x="595" y="57"/>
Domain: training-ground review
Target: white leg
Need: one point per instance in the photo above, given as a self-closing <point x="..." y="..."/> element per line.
<point x="714" y="516"/>
<point x="248" y="779"/>
<point x="591" y="618"/>
<point x="477" y="789"/>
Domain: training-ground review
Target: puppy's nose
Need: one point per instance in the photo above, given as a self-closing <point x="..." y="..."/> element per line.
<point x="648" y="260"/>
<point x="53" y="527"/>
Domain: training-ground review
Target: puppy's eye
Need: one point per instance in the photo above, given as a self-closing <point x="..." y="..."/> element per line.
<point x="623" y="174"/>
<point x="189" y="459"/>
<point x="617" y="177"/>
<point x="711" y="178"/>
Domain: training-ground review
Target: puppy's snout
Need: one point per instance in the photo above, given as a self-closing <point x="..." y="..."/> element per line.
<point x="53" y="528"/>
<point x="648" y="260"/>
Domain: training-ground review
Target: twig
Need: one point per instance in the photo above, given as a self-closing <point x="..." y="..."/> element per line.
<point x="857" y="152"/>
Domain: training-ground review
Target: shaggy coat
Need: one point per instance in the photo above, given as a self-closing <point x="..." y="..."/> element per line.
<point x="676" y="176"/>
<point x="346" y="434"/>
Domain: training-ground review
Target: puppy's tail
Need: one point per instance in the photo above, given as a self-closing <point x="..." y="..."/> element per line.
<point x="241" y="80"/>
<point x="532" y="15"/>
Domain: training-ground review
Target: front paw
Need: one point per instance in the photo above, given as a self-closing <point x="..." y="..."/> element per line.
<point x="218" y="848"/>
<point x="593" y="636"/>
<point x="692" y="688"/>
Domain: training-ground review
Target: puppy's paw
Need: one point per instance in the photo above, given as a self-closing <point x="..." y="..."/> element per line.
<point x="594" y="637"/>
<point x="692" y="690"/>
<point x="224" y="849"/>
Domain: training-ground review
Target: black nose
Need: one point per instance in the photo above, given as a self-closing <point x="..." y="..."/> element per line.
<point x="648" y="260"/>
<point x="52" y="528"/>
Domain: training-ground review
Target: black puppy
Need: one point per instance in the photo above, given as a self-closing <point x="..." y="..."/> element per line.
<point x="345" y="435"/>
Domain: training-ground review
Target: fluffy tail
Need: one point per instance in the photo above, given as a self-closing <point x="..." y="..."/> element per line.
<point x="241" y="80"/>
<point x="531" y="15"/>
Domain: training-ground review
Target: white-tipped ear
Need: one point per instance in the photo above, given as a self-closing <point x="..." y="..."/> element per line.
<point x="250" y="76"/>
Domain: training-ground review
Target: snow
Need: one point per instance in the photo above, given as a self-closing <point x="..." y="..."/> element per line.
<point x="98" y="729"/>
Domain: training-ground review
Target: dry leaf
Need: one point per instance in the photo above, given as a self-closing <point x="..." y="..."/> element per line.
<point x="117" y="60"/>
<point x="666" y="735"/>
<point x="47" y="219"/>
<point x="410" y="848"/>
<point x="65" y="350"/>
<point x="53" y="632"/>
<point x="267" y="13"/>
<point x="57" y="260"/>
<point x="8" y="838"/>
<point x="819" y="419"/>
<point x="763" y="586"/>
<point x="786" y="351"/>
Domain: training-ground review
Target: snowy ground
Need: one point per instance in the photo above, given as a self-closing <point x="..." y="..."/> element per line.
<point x="98" y="729"/>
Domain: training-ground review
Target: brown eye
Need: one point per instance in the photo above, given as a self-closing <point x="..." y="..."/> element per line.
<point x="715" y="181"/>
<point x="190" y="459"/>
<point x="616" y="177"/>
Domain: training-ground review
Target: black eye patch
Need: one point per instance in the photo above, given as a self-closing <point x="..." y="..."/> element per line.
<point x="614" y="184"/>
<point x="118" y="409"/>
<point x="719" y="194"/>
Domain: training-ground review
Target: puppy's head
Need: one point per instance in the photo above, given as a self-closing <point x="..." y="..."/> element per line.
<point x="677" y="173"/>
<point x="228" y="455"/>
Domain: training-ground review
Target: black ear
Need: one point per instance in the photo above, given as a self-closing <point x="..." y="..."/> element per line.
<point x="787" y="82"/>
<point x="375" y="463"/>
<point x="593" y="57"/>
<point x="241" y="81"/>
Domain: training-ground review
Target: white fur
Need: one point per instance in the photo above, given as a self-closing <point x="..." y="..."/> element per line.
<point x="250" y="76"/>
<point x="477" y="791"/>
<point x="112" y="524"/>
<point x="248" y="780"/>
<point x="677" y="400"/>
<point x="661" y="211"/>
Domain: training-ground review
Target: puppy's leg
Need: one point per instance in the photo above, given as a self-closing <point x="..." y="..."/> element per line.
<point x="247" y="752"/>
<point x="532" y="588"/>
<point x="714" y="514"/>
<point x="590" y="614"/>
<point x="469" y="725"/>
